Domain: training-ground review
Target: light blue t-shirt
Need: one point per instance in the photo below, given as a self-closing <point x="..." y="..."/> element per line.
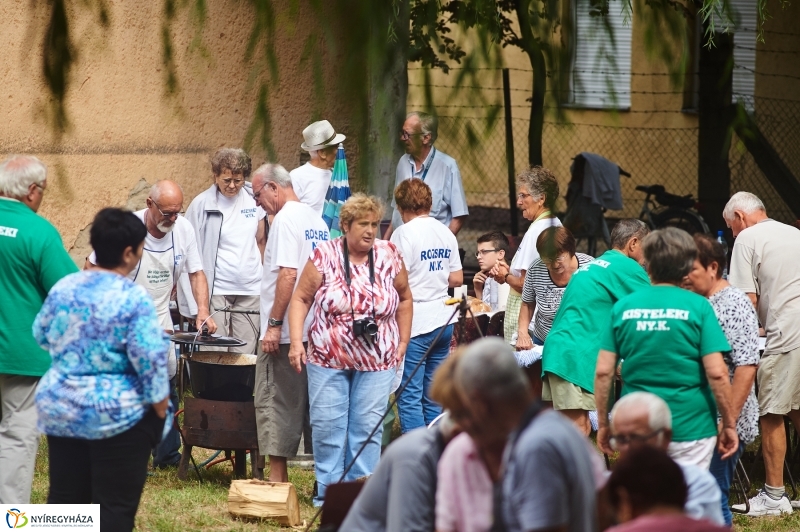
<point x="444" y="178"/>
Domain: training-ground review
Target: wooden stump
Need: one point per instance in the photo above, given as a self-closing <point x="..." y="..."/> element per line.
<point x="264" y="500"/>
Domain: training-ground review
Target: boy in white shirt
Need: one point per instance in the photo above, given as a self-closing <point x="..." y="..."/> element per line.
<point x="492" y="248"/>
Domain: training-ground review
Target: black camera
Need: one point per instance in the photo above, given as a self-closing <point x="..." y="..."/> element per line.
<point x="365" y="327"/>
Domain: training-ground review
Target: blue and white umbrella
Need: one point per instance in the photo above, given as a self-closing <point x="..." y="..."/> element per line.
<point x="337" y="194"/>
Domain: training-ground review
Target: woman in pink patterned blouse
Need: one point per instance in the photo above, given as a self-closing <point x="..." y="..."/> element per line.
<point x="362" y="307"/>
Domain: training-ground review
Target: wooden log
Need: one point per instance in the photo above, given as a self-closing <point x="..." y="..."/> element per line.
<point x="264" y="500"/>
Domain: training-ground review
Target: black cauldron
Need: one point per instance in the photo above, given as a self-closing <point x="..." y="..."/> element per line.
<point x="222" y="376"/>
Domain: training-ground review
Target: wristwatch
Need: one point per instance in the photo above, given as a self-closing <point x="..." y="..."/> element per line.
<point x="505" y="277"/>
<point x="272" y="322"/>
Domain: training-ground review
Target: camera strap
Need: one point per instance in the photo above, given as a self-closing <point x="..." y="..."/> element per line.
<point x="348" y="279"/>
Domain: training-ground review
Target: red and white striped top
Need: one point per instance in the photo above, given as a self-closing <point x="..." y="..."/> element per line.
<point x="331" y="343"/>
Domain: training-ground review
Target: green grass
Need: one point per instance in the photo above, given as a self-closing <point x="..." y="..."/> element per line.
<point x="172" y="505"/>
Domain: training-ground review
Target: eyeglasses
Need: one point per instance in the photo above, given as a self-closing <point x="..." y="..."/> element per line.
<point x="556" y="260"/>
<point x="405" y="135"/>
<point x="237" y="182"/>
<point x="482" y="252"/>
<point x="256" y="194"/>
<point x="522" y="196"/>
<point x="624" y="440"/>
<point x="166" y="214"/>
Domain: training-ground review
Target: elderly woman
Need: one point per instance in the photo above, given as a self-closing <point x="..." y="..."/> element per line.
<point x="537" y="192"/>
<point x="671" y="345"/>
<point x="430" y="254"/>
<point x="103" y="402"/>
<point x="737" y="317"/>
<point x="231" y="236"/>
<point x="361" y="327"/>
<point x="545" y="283"/>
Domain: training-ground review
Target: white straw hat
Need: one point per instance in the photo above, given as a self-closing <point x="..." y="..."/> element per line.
<point x="320" y="135"/>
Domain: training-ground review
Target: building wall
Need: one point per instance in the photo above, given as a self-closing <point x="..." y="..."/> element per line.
<point x="123" y="127"/>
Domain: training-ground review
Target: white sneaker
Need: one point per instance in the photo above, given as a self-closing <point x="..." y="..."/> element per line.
<point x="763" y="504"/>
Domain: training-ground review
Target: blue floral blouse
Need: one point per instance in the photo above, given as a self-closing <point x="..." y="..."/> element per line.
<point x="109" y="356"/>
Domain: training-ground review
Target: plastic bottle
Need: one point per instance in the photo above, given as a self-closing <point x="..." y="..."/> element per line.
<point x="724" y="244"/>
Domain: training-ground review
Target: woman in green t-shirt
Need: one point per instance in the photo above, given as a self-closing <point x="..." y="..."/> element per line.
<point x="671" y="345"/>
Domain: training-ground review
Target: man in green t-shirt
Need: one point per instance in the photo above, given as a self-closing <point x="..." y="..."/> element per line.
<point x="570" y="350"/>
<point x="32" y="260"/>
<point x="670" y="344"/>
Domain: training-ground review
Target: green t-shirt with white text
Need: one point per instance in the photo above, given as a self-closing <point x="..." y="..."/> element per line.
<point x="32" y="260"/>
<point x="662" y="333"/>
<point x="571" y="346"/>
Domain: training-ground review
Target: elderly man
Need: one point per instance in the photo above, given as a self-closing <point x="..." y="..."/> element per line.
<point x="311" y="181"/>
<point x="32" y="260"/>
<point x="281" y="393"/>
<point x="570" y="350"/>
<point x="170" y="248"/>
<point x="765" y="264"/>
<point x="231" y="236"/>
<point x="436" y="168"/>
<point x="642" y="418"/>
<point x="548" y="481"/>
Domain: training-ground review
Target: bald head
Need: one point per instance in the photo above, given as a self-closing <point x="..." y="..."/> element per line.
<point x="163" y="206"/>
<point x="166" y="191"/>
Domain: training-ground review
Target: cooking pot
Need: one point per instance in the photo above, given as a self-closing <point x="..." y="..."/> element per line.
<point x="222" y="376"/>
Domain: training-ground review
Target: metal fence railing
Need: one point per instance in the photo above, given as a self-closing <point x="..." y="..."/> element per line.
<point x="653" y="155"/>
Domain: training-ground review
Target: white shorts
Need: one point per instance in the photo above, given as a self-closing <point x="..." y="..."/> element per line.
<point x="696" y="452"/>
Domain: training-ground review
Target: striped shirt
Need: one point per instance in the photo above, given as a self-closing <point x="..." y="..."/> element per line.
<point x="539" y="288"/>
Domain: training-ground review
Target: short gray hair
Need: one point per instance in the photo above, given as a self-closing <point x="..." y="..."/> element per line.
<point x="489" y="368"/>
<point x="626" y="229"/>
<point x="18" y="173"/>
<point x="273" y="173"/>
<point x="746" y="202"/>
<point x="539" y="181"/>
<point x="428" y="124"/>
<point x="670" y="254"/>
<point x="659" y="415"/>
<point x="234" y="159"/>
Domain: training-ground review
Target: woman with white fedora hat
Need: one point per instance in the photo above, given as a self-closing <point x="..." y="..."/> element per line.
<point x="311" y="181"/>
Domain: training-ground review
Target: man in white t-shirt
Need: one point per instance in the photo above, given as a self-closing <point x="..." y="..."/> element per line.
<point x="281" y="393"/>
<point x="170" y="249"/>
<point x="311" y="181"/>
<point x="492" y="249"/>
<point x="765" y="264"/>
<point x="231" y="235"/>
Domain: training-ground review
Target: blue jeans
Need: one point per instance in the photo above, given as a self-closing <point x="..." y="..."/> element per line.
<point x="414" y="406"/>
<point x="345" y="405"/>
<point x="723" y="471"/>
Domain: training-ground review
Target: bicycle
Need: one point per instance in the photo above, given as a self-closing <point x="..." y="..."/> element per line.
<point x="672" y="210"/>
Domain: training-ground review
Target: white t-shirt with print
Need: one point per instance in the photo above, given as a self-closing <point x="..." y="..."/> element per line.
<point x="238" y="267"/>
<point x="311" y="185"/>
<point x="527" y="252"/>
<point x="294" y="234"/>
<point x="430" y="253"/>
<point x="182" y="237"/>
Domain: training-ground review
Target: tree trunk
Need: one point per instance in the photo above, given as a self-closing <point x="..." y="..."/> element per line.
<point x="713" y="137"/>
<point x="529" y="45"/>
<point x="388" y="91"/>
<point x="537" y="107"/>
